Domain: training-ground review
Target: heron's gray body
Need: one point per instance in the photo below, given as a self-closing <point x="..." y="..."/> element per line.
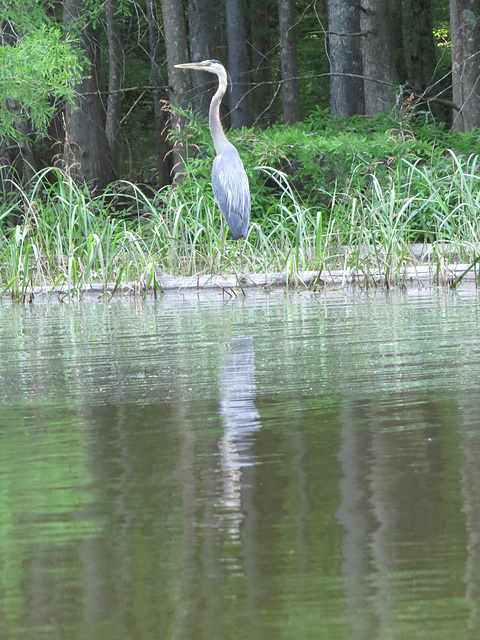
<point x="229" y="180"/>
<point x="231" y="190"/>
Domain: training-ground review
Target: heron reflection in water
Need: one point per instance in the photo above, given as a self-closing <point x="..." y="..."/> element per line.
<point x="229" y="180"/>
<point x="241" y="422"/>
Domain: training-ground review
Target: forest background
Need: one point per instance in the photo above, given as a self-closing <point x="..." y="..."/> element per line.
<point x="328" y="99"/>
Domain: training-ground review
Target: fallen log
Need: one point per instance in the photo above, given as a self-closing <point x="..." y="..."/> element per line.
<point x="421" y="276"/>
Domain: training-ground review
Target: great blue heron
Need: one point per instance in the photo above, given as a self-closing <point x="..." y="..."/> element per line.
<point x="229" y="180"/>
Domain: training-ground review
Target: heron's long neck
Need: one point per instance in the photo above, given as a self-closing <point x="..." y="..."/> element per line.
<point x="219" y="137"/>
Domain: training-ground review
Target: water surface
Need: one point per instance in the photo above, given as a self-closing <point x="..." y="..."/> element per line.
<point x="269" y="467"/>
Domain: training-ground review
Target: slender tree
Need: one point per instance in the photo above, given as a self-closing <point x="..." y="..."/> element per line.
<point x="288" y="61"/>
<point x="345" y="58"/>
<point x="418" y="43"/>
<point x="158" y="93"/>
<point x="260" y="18"/>
<point x="200" y="30"/>
<point x="177" y="52"/>
<point x="465" y="41"/>
<point x="87" y="153"/>
<point x="377" y="56"/>
<point x="115" y="79"/>
<point x="237" y="64"/>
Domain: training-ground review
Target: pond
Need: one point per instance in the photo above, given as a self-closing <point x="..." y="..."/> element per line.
<point x="274" y="466"/>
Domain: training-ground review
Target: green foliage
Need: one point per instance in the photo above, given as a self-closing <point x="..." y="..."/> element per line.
<point x="327" y="194"/>
<point x="23" y="17"/>
<point x="324" y="157"/>
<point x="373" y="185"/>
<point x="326" y="152"/>
<point x="36" y="73"/>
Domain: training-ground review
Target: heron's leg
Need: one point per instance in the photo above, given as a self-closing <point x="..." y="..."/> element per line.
<point x="222" y="230"/>
<point x="222" y="238"/>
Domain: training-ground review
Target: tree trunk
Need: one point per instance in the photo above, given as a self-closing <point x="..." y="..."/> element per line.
<point x="345" y="58"/>
<point x="418" y="43"/>
<point x="115" y="80"/>
<point x="237" y="64"/>
<point x="178" y="79"/>
<point x="200" y="25"/>
<point x="87" y="153"/>
<point x="162" y="148"/>
<point x="377" y="54"/>
<point x="288" y="62"/>
<point x="261" y="102"/>
<point x="465" y="41"/>
<point x="177" y="52"/>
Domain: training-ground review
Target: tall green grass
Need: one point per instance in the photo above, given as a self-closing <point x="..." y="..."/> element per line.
<point x="64" y="237"/>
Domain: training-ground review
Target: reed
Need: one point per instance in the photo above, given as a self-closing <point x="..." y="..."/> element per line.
<point x="63" y="235"/>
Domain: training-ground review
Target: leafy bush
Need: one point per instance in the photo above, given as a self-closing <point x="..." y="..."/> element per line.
<point x="35" y="72"/>
<point x="327" y="161"/>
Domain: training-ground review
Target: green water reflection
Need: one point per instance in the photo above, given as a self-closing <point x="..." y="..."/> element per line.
<point x="268" y="467"/>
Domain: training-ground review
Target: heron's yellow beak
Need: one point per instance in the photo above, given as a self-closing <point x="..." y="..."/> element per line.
<point x="189" y="65"/>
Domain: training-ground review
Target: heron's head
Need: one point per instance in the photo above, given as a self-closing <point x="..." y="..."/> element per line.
<point x="213" y="66"/>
